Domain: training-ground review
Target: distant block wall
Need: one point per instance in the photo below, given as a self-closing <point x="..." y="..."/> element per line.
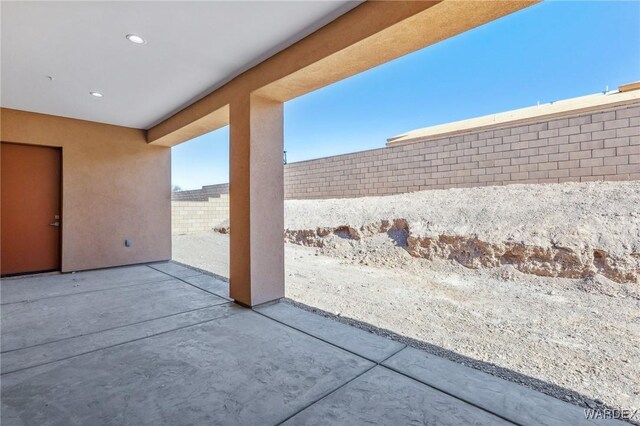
<point x="597" y="145"/>
<point x="209" y="191"/>
<point x="602" y="145"/>
<point x="188" y="217"/>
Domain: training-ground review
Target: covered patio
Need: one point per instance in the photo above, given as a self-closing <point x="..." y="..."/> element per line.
<point x="93" y="99"/>
<point x="163" y="344"/>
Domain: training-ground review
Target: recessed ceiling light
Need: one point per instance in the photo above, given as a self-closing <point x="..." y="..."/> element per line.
<point x="133" y="38"/>
<point x="96" y="94"/>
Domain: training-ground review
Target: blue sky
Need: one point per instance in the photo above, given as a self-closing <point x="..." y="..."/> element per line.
<point x="551" y="51"/>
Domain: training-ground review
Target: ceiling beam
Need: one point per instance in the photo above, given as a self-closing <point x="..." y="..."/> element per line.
<point x="368" y="35"/>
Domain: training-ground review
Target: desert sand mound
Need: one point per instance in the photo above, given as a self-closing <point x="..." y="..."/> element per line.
<point x="570" y="230"/>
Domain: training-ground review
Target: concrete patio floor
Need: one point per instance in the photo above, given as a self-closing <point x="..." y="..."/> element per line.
<point x="163" y="344"/>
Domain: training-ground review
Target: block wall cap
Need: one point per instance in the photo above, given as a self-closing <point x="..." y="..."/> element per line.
<point x="627" y="94"/>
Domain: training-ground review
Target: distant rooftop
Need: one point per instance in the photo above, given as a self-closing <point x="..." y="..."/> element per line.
<point x="628" y="93"/>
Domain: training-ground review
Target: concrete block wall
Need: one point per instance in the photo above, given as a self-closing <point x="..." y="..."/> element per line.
<point x="597" y="145"/>
<point x="188" y="217"/>
<point x="209" y="191"/>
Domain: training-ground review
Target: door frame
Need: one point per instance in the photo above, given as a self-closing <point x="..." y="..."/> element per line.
<point x="60" y="204"/>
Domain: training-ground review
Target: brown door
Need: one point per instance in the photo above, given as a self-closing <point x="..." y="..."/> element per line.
<point x="30" y="215"/>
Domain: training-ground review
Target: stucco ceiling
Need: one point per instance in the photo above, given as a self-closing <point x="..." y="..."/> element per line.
<point x="192" y="48"/>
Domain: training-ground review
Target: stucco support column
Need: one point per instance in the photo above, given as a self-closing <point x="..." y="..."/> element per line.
<point x="256" y="196"/>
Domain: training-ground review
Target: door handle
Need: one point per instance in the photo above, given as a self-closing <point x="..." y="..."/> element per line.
<point x="54" y="224"/>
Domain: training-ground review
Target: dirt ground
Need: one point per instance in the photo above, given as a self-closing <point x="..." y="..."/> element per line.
<point x="575" y="338"/>
<point x="579" y="334"/>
